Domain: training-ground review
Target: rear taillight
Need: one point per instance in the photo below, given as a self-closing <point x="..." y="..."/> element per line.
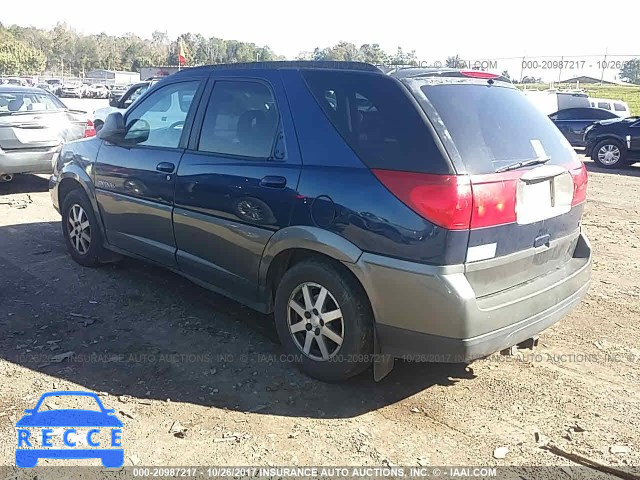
<point x="456" y="202"/>
<point x="494" y="198"/>
<point x="442" y="199"/>
<point x="89" y="129"/>
<point x="580" y="181"/>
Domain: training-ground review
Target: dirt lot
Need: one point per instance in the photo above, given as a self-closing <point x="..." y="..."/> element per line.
<point x="198" y="380"/>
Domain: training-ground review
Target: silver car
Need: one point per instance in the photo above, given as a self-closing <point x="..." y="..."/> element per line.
<point x="33" y="126"/>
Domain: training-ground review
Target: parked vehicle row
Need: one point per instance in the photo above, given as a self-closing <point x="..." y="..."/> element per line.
<point x="120" y="103"/>
<point x="257" y="181"/>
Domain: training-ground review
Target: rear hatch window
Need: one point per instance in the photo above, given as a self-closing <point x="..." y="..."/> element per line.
<point x="493" y="126"/>
<point x="378" y="119"/>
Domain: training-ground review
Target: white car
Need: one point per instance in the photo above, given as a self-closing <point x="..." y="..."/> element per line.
<point x="618" y="107"/>
<point x="74" y="89"/>
<point x="120" y="104"/>
<point x="98" y="91"/>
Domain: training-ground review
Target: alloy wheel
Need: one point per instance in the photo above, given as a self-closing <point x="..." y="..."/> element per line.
<point x="609" y="154"/>
<point x="315" y="321"/>
<point x="79" y="229"/>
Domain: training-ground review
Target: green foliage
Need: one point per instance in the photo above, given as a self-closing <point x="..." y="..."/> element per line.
<point x="17" y="58"/>
<point x="30" y="50"/>
<point x="631" y="71"/>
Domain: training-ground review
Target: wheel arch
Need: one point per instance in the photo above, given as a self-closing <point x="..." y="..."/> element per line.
<point x="293" y="244"/>
<point x="75" y="178"/>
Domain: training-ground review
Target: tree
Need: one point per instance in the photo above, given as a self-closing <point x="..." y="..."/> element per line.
<point x="373" y="54"/>
<point x="343" y="52"/>
<point x="631" y="71"/>
<point x="19" y="59"/>
<point x="454" y="61"/>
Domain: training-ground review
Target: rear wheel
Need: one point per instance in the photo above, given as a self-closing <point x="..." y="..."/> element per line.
<point x="324" y="321"/>
<point x="80" y="229"/>
<point x="609" y="153"/>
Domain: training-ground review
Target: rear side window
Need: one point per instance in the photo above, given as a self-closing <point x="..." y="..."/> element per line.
<point x="600" y="115"/>
<point x="572" y="100"/>
<point x="619" y="107"/>
<point x="494" y="126"/>
<point x="604" y="105"/>
<point x="241" y="119"/>
<point x="377" y="119"/>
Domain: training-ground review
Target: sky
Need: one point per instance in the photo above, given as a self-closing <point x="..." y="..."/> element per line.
<point x="474" y="29"/>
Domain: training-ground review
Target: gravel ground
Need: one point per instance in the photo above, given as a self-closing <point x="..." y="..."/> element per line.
<point x="198" y="379"/>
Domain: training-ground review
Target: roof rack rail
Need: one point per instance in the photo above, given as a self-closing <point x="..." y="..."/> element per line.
<point x="319" y="64"/>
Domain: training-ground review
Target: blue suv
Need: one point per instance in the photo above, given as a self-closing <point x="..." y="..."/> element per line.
<point x="430" y="214"/>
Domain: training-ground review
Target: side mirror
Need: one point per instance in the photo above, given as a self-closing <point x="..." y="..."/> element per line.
<point x="113" y="130"/>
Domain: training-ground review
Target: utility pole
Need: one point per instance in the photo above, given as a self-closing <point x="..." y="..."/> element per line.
<point x="604" y="64"/>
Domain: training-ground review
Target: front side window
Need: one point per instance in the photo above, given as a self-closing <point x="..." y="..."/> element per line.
<point x="159" y="118"/>
<point x="241" y="119"/>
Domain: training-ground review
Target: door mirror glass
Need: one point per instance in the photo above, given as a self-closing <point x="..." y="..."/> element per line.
<point x="137" y="131"/>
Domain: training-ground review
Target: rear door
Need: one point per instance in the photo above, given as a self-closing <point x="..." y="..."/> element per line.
<point x="134" y="183"/>
<point x="236" y="183"/>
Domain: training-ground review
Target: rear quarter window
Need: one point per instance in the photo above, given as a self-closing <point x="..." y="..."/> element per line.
<point x="375" y="115"/>
<point x="619" y="107"/>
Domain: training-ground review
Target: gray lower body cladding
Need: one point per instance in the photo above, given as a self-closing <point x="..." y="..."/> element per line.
<point x="433" y="313"/>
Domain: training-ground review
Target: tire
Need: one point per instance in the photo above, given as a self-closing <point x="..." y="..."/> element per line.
<point x="76" y="211"/>
<point x="617" y="151"/>
<point x="347" y="340"/>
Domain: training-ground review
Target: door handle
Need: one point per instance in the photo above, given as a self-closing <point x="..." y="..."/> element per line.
<point x="165" y="167"/>
<point x="273" y="181"/>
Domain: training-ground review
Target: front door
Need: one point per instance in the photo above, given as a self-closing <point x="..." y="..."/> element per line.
<point x="236" y="184"/>
<point x="134" y="183"/>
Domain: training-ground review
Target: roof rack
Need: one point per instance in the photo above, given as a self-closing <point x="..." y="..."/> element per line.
<point x="361" y="66"/>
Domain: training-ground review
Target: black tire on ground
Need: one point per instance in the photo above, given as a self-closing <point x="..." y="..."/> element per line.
<point x="614" y="145"/>
<point x="354" y="355"/>
<point x="92" y="249"/>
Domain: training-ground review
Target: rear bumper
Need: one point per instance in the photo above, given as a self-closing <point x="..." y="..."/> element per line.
<point x="432" y="313"/>
<point x="27" y="161"/>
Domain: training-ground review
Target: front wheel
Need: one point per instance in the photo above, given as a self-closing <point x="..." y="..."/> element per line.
<point x="324" y="320"/>
<point x="80" y="229"/>
<point x="609" y="153"/>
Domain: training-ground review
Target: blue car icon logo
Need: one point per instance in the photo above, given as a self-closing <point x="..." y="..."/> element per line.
<point x="74" y="428"/>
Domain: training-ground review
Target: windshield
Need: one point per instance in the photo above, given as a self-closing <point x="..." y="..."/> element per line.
<point x="493" y="126"/>
<point x="12" y="102"/>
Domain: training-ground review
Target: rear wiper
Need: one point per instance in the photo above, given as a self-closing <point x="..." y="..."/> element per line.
<point x="524" y="163"/>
